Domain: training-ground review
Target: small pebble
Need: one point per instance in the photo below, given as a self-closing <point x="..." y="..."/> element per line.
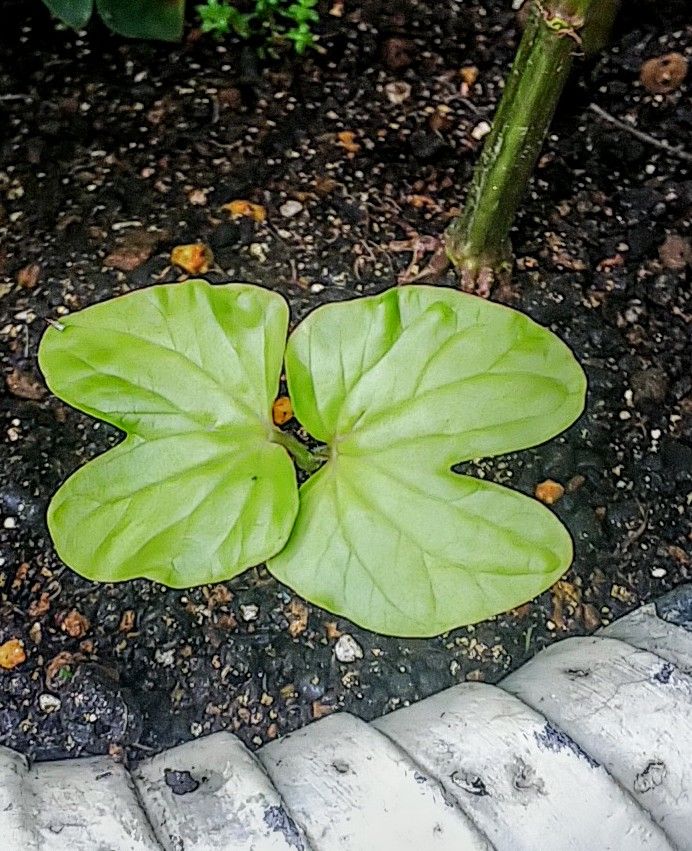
<point x="12" y="654"/>
<point x="195" y="258"/>
<point x="480" y="130"/>
<point x="549" y="491"/>
<point x="165" y="658"/>
<point x="398" y="91"/>
<point x="347" y="649"/>
<point x="48" y="703"/>
<point x="290" y="208"/>
<point x="258" y="251"/>
<point x="249" y="612"/>
<point x="623" y="594"/>
<point x="197" y="197"/>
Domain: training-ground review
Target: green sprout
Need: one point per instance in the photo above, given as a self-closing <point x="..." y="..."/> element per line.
<point x="394" y="389"/>
<point x="274" y="21"/>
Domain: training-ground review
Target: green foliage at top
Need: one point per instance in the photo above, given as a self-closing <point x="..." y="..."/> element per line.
<point x="159" y="19"/>
<point x="268" y="21"/>
<point x="220" y="19"/>
<point x="399" y="387"/>
<point x="271" y="20"/>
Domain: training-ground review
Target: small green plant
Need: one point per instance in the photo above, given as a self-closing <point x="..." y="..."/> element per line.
<point x="220" y="19"/>
<point x="271" y="20"/>
<point x="395" y="388"/>
<point x="160" y="19"/>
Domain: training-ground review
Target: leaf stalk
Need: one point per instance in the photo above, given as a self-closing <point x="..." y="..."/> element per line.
<point x="303" y="457"/>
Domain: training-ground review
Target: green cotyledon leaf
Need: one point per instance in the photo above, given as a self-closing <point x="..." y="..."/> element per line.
<point x="402" y="386"/>
<point x="197" y="491"/>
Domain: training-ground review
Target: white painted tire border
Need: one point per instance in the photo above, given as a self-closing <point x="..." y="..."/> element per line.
<point x="587" y="746"/>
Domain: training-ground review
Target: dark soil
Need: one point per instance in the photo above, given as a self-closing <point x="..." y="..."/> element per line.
<point x="108" y="145"/>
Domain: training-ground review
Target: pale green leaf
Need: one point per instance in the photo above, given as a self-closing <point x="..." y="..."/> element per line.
<point x="473" y="378"/>
<point x="197" y="492"/>
<point x="402" y="386"/>
<point x="74" y="13"/>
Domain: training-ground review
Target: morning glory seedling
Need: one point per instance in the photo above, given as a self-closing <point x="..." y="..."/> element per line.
<point x="396" y="388"/>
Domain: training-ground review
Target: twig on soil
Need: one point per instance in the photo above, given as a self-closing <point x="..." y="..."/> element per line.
<point x="527" y="638"/>
<point x="221" y="146"/>
<point x="662" y="144"/>
<point x="472" y="106"/>
<point x="639" y="531"/>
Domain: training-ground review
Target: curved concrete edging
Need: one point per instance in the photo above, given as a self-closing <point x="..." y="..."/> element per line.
<point x="587" y="746"/>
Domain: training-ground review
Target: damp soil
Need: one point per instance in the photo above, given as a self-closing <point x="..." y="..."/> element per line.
<point x="128" y="149"/>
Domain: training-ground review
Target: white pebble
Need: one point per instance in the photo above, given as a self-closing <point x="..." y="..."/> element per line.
<point x="290" y="208"/>
<point x="258" y="251"/>
<point x="347" y="649"/>
<point x="480" y="130"/>
<point x="48" y="703"/>
<point x="249" y="612"/>
<point x="398" y="92"/>
<point x="165" y="658"/>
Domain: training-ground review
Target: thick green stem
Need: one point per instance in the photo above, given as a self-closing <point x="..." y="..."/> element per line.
<point x="298" y="451"/>
<point x="477" y="242"/>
